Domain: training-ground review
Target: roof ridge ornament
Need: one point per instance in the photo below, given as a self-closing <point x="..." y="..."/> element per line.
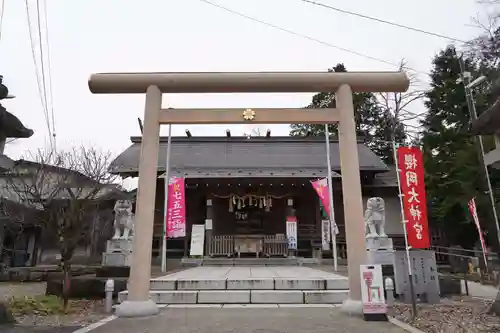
<point x="249" y="114"/>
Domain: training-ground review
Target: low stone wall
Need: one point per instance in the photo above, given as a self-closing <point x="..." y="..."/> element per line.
<point x="43" y="273"/>
<point x="85" y="287"/>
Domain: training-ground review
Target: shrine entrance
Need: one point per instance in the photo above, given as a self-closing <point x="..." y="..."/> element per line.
<point x="155" y="84"/>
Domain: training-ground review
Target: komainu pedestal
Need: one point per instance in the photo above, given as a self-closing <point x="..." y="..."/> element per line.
<point x="118" y="253"/>
<point x="119" y="248"/>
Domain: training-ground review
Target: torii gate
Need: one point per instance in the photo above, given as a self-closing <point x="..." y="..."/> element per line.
<point x="154" y="84"/>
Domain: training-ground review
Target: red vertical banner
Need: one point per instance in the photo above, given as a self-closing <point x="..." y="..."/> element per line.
<point x="411" y="168"/>
<point x="176" y="210"/>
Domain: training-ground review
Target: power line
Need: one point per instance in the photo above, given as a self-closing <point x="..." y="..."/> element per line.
<point x="40" y="46"/>
<point x="394" y="24"/>
<point x="49" y="71"/>
<point x="2" y="11"/>
<point x="38" y="79"/>
<point x="317" y="41"/>
<point x="306" y="36"/>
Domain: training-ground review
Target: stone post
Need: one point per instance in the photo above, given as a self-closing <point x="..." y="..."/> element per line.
<point x="138" y="303"/>
<point x="209" y="222"/>
<point x="353" y="204"/>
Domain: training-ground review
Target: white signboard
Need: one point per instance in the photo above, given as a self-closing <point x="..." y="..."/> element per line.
<point x="372" y="289"/>
<point x="291" y="232"/>
<point x="325" y="234"/>
<point x="197" y="240"/>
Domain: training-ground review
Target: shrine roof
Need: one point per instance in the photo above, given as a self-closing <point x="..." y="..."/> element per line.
<point x="240" y="157"/>
<point x="488" y="122"/>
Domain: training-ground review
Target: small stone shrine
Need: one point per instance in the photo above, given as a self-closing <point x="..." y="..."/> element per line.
<point x="379" y="246"/>
<point x="119" y="248"/>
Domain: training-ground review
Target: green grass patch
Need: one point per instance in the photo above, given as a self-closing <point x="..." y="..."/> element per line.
<point x="38" y="305"/>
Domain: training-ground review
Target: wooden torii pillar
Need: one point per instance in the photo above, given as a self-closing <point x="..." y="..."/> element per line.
<point x="154" y="84"/>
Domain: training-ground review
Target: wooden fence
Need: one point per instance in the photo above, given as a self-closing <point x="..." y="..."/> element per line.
<point x="275" y="245"/>
<point x="224" y="245"/>
<point x="221" y="246"/>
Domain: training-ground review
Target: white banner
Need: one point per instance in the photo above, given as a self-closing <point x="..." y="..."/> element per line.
<point x="325" y="234"/>
<point x="291" y="232"/>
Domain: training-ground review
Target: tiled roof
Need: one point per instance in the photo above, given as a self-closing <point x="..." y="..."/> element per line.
<point x="201" y="157"/>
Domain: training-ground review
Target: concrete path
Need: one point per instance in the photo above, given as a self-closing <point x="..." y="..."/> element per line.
<point x="248" y="320"/>
<point x="234" y="273"/>
<point x="480" y="290"/>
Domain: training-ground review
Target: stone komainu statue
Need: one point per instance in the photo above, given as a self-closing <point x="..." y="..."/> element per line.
<point x="124" y="220"/>
<point x="375" y="218"/>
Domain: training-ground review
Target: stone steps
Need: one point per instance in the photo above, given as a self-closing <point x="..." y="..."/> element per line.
<point x="245" y="296"/>
<point x="251" y="284"/>
<point x="248" y="291"/>
<point x="250" y="262"/>
<point x="246" y="262"/>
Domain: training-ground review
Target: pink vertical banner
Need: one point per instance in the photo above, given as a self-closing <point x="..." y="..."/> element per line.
<point x="176" y="210"/>
<point x="473" y="212"/>
<point x="321" y="187"/>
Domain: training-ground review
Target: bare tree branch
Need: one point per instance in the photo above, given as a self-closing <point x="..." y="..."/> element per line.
<point x="397" y="104"/>
<point x="66" y="189"/>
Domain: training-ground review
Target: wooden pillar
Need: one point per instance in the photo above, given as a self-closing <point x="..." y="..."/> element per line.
<point x="353" y="204"/>
<point x="209" y="220"/>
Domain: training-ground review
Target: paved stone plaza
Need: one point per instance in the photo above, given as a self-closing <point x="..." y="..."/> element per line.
<point x="248" y="320"/>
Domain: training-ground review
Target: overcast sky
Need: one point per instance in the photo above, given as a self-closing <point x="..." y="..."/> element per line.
<point x="88" y="36"/>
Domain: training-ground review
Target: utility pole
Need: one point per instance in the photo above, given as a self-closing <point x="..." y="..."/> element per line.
<point x="486" y="182"/>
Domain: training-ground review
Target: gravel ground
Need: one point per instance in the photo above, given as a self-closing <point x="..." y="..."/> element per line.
<point x="453" y="315"/>
<point x="82" y="313"/>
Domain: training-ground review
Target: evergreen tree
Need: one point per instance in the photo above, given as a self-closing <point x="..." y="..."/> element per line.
<point x="373" y="123"/>
<point x="453" y="173"/>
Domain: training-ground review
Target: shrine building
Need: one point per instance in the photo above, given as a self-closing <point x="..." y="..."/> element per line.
<point x="246" y="187"/>
<point x="488" y="123"/>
